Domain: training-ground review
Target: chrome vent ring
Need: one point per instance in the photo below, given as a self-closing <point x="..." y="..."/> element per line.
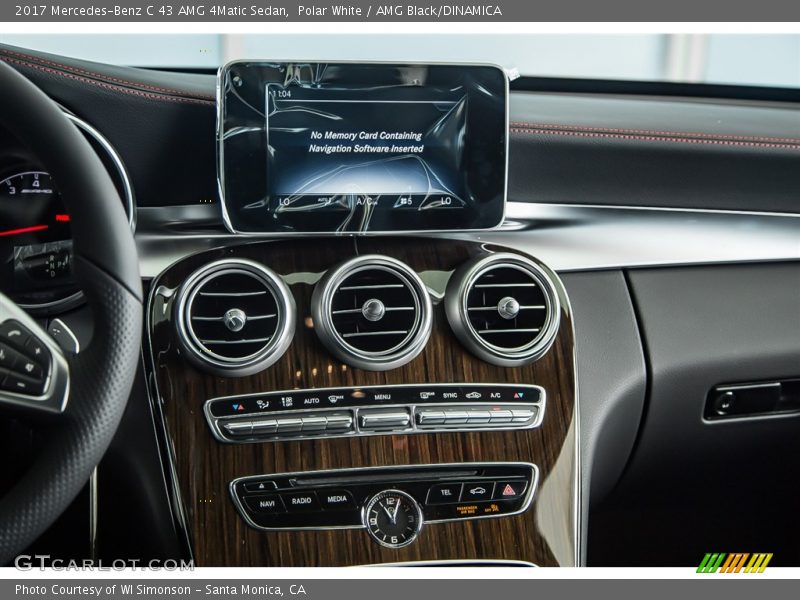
<point x="372" y="312"/>
<point x="234" y="317"/>
<point x="504" y="308"/>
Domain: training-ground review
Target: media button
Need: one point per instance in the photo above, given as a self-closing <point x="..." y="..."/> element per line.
<point x="336" y="499"/>
<point x="444" y="493"/>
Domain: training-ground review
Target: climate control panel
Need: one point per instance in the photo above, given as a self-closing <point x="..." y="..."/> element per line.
<point x="374" y="410"/>
<point x="391" y="503"/>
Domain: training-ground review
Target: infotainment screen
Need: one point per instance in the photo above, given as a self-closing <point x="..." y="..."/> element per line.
<point x="362" y="148"/>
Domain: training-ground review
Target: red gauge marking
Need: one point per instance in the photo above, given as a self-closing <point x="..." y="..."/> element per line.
<point x="22" y="230"/>
<point x="62" y="218"/>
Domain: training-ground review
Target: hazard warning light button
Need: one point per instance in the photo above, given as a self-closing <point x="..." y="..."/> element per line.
<point x="509" y="490"/>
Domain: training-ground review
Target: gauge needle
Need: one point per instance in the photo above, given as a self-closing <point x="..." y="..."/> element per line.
<point x="22" y="230"/>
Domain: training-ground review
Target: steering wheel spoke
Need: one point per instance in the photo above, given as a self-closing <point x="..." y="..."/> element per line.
<point x="34" y="374"/>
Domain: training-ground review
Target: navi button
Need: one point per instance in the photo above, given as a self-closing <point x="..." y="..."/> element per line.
<point x="265" y="504"/>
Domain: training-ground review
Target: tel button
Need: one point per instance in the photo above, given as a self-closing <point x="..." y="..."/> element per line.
<point x="336" y="499"/>
<point x="265" y="504"/>
<point x="444" y="493"/>
<point x="301" y="501"/>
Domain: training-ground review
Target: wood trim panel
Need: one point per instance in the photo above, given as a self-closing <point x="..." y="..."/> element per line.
<point x="543" y="535"/>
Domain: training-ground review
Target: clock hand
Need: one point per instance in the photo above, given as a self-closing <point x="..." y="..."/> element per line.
<point x="388" y="512"/>
<point x="396" y="508"/>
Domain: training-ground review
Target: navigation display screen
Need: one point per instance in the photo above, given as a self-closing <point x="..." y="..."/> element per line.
<point x="365" y="148"/>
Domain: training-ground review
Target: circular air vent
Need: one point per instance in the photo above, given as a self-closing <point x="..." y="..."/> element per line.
<point x="504" y="308"/>
<point x="234" y="317"/>
<point x="372" y="312"/>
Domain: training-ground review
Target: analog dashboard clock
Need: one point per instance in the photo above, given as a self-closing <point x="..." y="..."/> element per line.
<point x="393" y="518"/>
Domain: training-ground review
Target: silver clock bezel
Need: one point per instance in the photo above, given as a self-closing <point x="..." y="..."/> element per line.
<point x="420" y="517"/>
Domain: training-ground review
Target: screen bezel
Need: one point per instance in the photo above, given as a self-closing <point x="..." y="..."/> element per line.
<point x="221" y="75"/>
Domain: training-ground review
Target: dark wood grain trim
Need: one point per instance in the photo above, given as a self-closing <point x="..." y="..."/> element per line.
<point x="204" y="467"/>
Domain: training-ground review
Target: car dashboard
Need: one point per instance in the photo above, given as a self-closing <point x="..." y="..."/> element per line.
<point x="532" y="391"/>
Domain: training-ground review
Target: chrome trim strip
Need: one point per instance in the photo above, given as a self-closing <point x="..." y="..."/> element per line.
<point x="220" y="147"/>
<point x="75" y="299"/>
<point x="122" y="171"/>
<point x="465" y="562"/>
<point x="217" y="423"/>
<point x="577" y="238"/>
<point x="529" y="493"/>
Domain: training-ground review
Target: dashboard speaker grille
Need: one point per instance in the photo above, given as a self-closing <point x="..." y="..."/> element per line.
<point x="235" y="317"/>
<point x="372" y="312"/>
<point x="504" y="308"/>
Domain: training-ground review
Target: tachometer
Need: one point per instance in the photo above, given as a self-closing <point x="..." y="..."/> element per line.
<point x="35" y="238"/>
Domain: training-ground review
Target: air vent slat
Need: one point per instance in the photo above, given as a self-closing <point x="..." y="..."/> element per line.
<point x="372" y="333"/>
<point x="242" y="341"/>
<point x="503" y="285"/>
<point x="372" y="312"/>
<point x="233" y="294"/>
<point x="236" y="317"/>
<point x="351" y="288"/>
<point x="494" y="308"/>
<point x="520" y="330"/>
<point x="222" y="318"/>
<point x="348" y="311"/>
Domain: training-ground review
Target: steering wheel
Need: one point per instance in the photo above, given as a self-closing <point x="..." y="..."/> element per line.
<point x="78" y="400"/>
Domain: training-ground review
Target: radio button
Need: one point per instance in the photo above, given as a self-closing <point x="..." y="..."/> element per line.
<point x="301" y="501"/>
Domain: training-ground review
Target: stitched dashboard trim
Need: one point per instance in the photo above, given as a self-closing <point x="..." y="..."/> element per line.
<point x="654" y="132"/>
<point x="654" y="138"/>
<point x="107" y="86"/>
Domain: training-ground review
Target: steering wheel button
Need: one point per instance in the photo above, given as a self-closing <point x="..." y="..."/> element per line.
<point x="14" y="334"/>
<point x="14" y="382"/>
<point x="36" y="350"/>
<point x="8" y="356"/>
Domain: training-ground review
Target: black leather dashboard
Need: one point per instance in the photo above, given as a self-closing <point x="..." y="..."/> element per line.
<point x="565" y="148"/>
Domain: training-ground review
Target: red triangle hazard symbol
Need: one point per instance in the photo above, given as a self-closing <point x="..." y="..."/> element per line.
<point x="508" y="490"/>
